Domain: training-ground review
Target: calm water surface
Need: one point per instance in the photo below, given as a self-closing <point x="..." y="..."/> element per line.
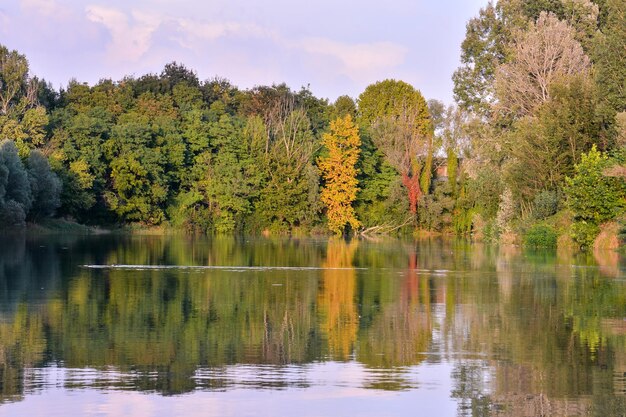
<point x="171" y="326"/>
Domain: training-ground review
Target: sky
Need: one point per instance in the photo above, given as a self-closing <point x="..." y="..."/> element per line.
<point x="334" y="47"/>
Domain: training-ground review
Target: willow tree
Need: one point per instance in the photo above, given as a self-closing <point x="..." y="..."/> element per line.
<point x="339" y="173"/>
<point x="16" y="197"/>
<point x="399" y="123"/>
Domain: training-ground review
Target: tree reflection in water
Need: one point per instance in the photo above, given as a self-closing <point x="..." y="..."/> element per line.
<point x="525" y="333"/>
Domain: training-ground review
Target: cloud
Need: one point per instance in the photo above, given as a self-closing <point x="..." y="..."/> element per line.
<point x="130" y="37"/>
<point x="250" y="53"/>
<point x="213" y="31"/>
<point x="132" y="34"/>
<point x="44" y="7"/>
<point x="4" y="22"/>
<point x="357" y="61"/>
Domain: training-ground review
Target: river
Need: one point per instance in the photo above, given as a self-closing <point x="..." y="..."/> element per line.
<point x="178" y="326"/>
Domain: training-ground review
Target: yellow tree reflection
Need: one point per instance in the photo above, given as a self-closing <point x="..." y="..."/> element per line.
<point x="339" y="318"/>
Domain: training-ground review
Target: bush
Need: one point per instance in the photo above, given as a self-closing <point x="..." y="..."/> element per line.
<point x="593" y="197"/>
<point x="541" y="236"/>
<point x="546" y="204"/>
<point x="12" y="214"/>
<point x="584" y="233"/>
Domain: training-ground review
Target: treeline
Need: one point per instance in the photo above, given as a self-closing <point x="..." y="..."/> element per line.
<point x="208" y="157"/>
<point x="541" y="119"/>
<point x="540" y="110"/>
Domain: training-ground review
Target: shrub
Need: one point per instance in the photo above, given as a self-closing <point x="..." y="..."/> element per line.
<point x="12" y="214"/>
<point x="546" y="204"/>
<point x="584" y="233"/>
<point x="593" y="197"/>
<point x="541" y="236"/>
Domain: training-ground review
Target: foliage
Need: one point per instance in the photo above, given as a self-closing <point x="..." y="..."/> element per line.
<point x="13" y="80"/>
<point x="482" y="50"/>
<point x="427" y="172"/>
<point x="452" y="163"/>
<point x="484" y="190"/>
<point x="544" y="147"/>
<point x="506" y="212"/>
<point x="464" y="210"/>
<point x="44" y="184"/>
<point x="16" y="196"/>
<point x="610" y="56"/>
<point x="546" y="51"/>
<point x="380" y="198"/>
<point x="584" y="233"/>
<point x="541" y="236"/>
<point x="533" y="105"/>
<point x="400" y="126"/>
<point x="546" y="204"/>
<point x="339" y="173"/>
<point x="285" y="202"/>
<point x="437" y="208"/>
<point x="593" y="197"/>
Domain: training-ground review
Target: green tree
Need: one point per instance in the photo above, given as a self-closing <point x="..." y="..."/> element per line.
<point x="22" y="119"/>
<point x="286" y="200"/>
<point x="13" y="79"/>
<point x="452" y="163"/>
<point x="488" y="38"/>
<point x="609" y="56"/>
<point x="146" y="153"/>
<point x="544" y="148"/>
<point x="16" y="197"/>
<point x="593" y="197"/>
<point x="228" y="179"/>
<point x="221" y="90"/>
<point x="45" y="186"/>
<point x="482" y="50"/>
<point x="343" y="106"/>
<point x="397" y="118"/>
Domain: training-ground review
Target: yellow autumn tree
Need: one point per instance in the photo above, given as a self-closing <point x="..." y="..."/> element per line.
<point x="339" y="173"/>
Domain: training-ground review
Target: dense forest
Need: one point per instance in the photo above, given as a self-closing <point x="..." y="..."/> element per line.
<point x="533" y="149"/>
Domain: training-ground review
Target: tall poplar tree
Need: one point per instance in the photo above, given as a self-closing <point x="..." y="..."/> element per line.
<point x="339" y="173"/>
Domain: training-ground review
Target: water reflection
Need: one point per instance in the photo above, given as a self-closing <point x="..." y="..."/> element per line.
<point x="517" y="333"/>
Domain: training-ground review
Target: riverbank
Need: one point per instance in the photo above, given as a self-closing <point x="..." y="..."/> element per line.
<point x="64" y="226"/>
